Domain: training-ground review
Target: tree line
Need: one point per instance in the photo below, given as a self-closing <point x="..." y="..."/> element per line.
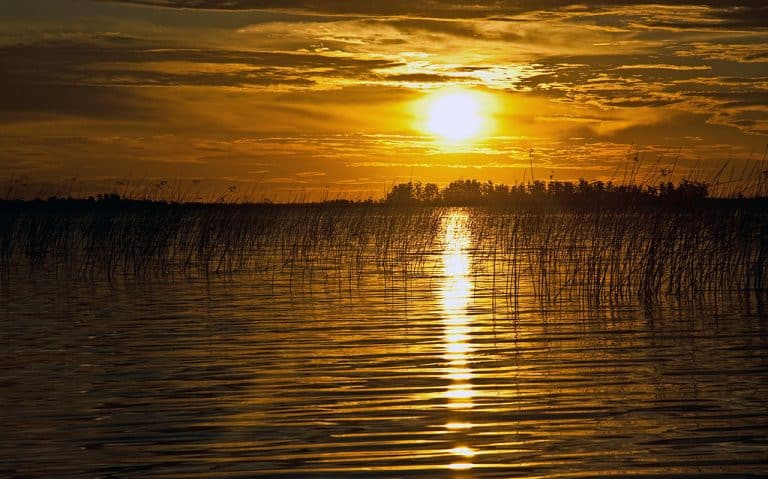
<point x="565" y="193"/>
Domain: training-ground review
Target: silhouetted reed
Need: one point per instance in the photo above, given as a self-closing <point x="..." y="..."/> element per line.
<point x="112" y="237"/>
<point x="597" y="254"/>
<point x="615" y="255"/>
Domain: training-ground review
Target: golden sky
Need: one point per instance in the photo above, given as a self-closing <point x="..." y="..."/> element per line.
<point x="327" y="98"/>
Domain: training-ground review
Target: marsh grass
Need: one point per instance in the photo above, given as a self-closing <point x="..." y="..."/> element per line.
<point x="617" y="256"/>
<point x="595" y="255"/>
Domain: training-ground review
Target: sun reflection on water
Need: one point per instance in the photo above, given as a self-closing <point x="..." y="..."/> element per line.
<point x="456" y="292"/>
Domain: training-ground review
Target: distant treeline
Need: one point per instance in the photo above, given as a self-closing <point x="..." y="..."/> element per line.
<point x="557" y="193"/>
<point x="581" y="194"/>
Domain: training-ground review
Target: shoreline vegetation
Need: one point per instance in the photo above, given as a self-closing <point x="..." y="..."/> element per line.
<point x="561" y="195"/>
<point x="463" y="192"/>
<point x="550" y="241"/>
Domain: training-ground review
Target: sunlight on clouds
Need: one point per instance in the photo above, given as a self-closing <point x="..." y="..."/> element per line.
<point x="290" y="92"/>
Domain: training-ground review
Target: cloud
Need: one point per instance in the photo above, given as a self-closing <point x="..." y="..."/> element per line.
<point x="663" y="66"/>
<point x="731" y="52"/>
<point x="290" y="89"/>
<point x="109" y="81"/>
<point x="20" y="99"/>
<point x="736" y="9"/>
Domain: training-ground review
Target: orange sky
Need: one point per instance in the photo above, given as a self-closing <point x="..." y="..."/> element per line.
<point x="287" y="99"/>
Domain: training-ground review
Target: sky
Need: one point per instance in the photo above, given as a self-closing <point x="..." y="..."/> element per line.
<point x="313" y="99"/>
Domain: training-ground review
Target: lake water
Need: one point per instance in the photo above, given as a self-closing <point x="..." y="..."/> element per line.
<point x="436" y="372"/>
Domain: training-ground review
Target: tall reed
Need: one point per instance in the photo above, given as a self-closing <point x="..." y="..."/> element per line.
<point x="595" y="254"/>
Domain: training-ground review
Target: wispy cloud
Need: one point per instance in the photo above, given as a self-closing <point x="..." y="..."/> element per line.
<point x="663" y="66"/>
<point x="319" y="92"/>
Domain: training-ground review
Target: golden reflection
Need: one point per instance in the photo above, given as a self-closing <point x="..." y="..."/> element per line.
<point x="455" y="426"/>
<point x="456" y="292"/>
<point x="463" y="451"/>
<point x="460" y="466"/>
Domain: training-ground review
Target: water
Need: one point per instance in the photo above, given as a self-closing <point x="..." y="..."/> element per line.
<point x="434" y="374"/>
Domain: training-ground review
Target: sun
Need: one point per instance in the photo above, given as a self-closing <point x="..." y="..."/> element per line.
<point x="455" y="115"/>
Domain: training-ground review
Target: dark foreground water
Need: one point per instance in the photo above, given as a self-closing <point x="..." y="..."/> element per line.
<point x="321" y="375"/>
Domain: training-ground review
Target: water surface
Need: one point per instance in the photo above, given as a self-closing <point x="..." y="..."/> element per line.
<point x="438" y="373"/>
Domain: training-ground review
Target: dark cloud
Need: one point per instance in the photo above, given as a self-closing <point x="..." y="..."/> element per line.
<point x="419" y="78"/>
<point x="84" y="79"/>
<point x="741" y="13"/>
<point x="450" y="27"/>
<point x="105" y="82"/>
<point x="660" y="80"/>
<point x="29" y="99"/>
<point x="48" y="58"/>
<point x="638" y="102"/>
<point x="471" y="69"/>
<point x="429" y="5"/>
<point x="745" y="14"/>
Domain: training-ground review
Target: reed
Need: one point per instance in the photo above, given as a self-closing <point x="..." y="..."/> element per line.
<point x="619" y="255"/>
<point x="597" y="254"/>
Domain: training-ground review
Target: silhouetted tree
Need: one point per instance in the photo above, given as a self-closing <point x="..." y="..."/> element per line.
<point x="583" y="194"/>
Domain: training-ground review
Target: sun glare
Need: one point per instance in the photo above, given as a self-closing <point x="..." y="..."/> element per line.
<point x="455" y="115"/>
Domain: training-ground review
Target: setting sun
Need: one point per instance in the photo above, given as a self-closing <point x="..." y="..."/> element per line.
<point x="455" y="115"/>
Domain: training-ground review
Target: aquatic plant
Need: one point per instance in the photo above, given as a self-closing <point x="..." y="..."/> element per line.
<point x="597" y="254"/>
